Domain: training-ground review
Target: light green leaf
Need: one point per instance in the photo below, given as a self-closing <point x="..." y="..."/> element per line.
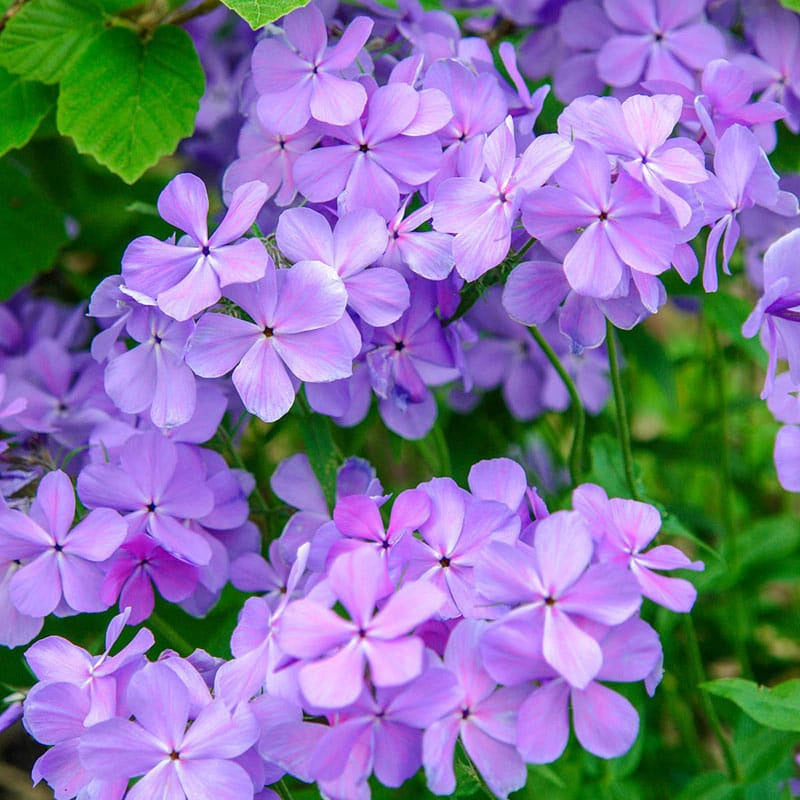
<point x="23" y="105"/>
<point x="31" y="229"/>
<point x="259" y="12"/>
<point x="777" y="708"/>
<point x="794" y="5"/>
<point x="45" y="39"/>
<point x="127" y="102"/>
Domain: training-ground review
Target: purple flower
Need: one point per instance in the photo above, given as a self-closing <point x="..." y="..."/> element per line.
<point x="426" y="253"/>
<point x="638" y="131"/>
<point x="139" y="564"/>
<point x="662" y="39"/>
<point x="378" y="295"/>
<point x="776" y="72"/>
<point x="187" y="278"/>
<point x="59" y="561"/>
<point x="535" y="290"/>
<point x="358" y="522"/>
<point x="102" y="679"/>
<point x="557" y="588"/>
<point x="157" y="485"/>
<point x="605" y="722"/>
<point x="298" y="322"/>
<point x="172" y="759"/>
<point x="777" y="314"/>
<point x="62" y="393"/>
<point x="257" y="656"/>
<point x="299" y="82"/>
<point x="337" y="648"/>
<point x="384" y="733"/>
<point x="621" y="233"/>
<point x="623" y="528"/>
<point x="452" y="541"/>
<point x="393" y="150"/>
<point x="55" y="715"/>
<point x="484" y="720"/>
<point x="153" y="375"/>
<point x="742" y="178"/>
<point x="268" y="157"/>
<point x="481" y="212"/>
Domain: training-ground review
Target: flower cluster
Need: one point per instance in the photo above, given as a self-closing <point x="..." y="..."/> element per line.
<point x="372" y="648"/>
<point x="399" y="218"/>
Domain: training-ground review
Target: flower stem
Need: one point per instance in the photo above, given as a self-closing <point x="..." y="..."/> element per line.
<point x="623" y="426"/>
<point x="726" y="497"/>
<point x="166" y="631"/>
<point x="576" y="452"/>
<point x="260" y="500"/>
<point x="696" y="664"/>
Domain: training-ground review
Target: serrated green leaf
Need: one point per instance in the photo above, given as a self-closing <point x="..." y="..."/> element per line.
<point x="23" y="105"/>
<point x="259" y="12"/>
<point x="777" y="708"/>
<point x="46" y="38"/>
<point x="127" y="102"/>
<point x="31" y="229"/>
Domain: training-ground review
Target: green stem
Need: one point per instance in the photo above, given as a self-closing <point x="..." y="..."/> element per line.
<point x="726" y="497"/>
<point x="623" y="426"/>
<point x="166" y="631"/>
<point x="261" y="501"/>
<point x="285" y="789"/>
<point x="13" y="9"/>
<point x="696" y="664"/>
<point x="576" y="452"/>
<point x="178" y="17"/>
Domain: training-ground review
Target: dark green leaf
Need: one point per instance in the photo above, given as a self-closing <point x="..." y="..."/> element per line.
<point x="31" y="229"/>
<point x="46" y="38"/>
<point x="777" y="708"/>
<point x="23" y="105"/>
<point x="128" y="102"/>
<point x="322" y="452"/>
<point x="259" y="12"/>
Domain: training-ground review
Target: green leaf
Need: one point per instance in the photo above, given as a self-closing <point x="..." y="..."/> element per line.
<point x="777" y="708"/>
<point x="794" y="5"/>
<point x="128" y="102"/>
<point x="761" y="751"/>
<point x="259" y="12"/>
<point x="46" y="38"/>
<point x="23" y="105"/>
<point x="433" y="448"/>
<point x="710" y="786"/>
<point x="607" y="468"/>
<point x="322" y="452"/>
<point x="31" y="229"/>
